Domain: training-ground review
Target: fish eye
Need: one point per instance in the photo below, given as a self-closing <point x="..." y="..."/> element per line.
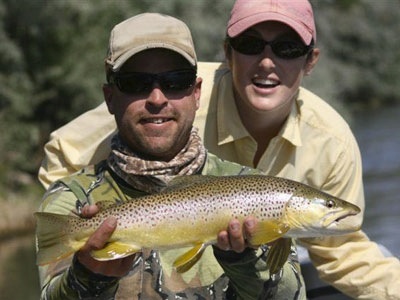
<point x="330" y="204"/>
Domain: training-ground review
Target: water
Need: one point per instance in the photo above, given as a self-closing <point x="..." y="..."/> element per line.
<point x="18" y="272"/>
<point x="378" y="135"/>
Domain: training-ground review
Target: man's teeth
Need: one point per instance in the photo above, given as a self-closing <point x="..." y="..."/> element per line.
<point x="157" y="121"/>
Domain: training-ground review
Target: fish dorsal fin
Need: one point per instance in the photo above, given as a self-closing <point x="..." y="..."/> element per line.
<point x="184" y="262"/>
<point x="114" y="250"/>
<point x="108" y="204"/>
<point x="278" y="255"/>
<point x="185" y="181"/>
<point x="268" y="231"/>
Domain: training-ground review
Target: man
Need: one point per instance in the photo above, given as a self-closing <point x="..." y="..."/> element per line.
<point x="153" y="93"/>
<point x="254" y="112"/>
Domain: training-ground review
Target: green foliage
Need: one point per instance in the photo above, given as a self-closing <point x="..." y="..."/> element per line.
<point x="51" y="62"/>
<point x="360" y="64"/>
<point x="52" y="52"/>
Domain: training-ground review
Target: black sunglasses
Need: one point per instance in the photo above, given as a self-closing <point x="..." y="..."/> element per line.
<point x="139" y="82"/>
<point x="286" y="49"/>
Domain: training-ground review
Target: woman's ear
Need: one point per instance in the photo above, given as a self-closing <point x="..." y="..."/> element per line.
<point x="228" y="53"/>
<point x="312" y="60"/>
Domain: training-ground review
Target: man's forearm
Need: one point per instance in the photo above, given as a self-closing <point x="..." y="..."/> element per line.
<point x="77" y="282"/>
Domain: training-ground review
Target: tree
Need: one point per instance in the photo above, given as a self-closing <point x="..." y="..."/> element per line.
<point x="360" y="65"/>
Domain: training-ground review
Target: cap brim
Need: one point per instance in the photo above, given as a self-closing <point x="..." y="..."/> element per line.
<point x="244" y="24"/>
<point x="127" y="55"/>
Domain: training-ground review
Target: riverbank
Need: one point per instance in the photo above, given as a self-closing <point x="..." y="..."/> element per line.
<point x="18" y="202"/>
<point x="16" y="213"/>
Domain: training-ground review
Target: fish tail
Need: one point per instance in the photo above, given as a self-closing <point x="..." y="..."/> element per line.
<point x="52" y="237"/>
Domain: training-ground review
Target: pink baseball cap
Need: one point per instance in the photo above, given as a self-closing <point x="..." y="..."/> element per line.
<point x="297" y="14"/>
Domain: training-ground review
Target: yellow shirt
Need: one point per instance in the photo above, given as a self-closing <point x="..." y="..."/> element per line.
<point x="315" y="146"/>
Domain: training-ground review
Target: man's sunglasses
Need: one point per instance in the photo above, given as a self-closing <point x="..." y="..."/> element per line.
<point x="139" y="83"/>
<point x="286" y="49"/>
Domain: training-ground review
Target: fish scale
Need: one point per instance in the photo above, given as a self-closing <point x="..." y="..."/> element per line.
<point x="193" y="210"/>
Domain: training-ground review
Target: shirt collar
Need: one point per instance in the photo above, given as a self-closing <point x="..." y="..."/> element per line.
<point x="291" y="129"/>
<point x="230" y="127"/>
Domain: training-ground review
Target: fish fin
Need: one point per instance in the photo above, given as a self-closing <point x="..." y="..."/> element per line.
<point x="278" y="254"/>
<point x="187" y="260"/>
<point x="106" y="204"/>
<point x="268" y="231"/>
<point x="53" y="240"/>
<point x="114" y="250"/>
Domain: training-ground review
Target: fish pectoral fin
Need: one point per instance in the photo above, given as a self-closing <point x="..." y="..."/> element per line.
<point x="278" y="254"/>
<point x="268" y="231"/>
<point x="114" y="250"/>
<point x="188" y="259"/>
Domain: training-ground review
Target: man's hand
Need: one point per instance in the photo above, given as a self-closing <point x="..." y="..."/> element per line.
<point x="114" y="268"/>
<point x="237" y="236"/>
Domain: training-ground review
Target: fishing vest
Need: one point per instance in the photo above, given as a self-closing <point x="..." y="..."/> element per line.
<point x="152" y="275"/>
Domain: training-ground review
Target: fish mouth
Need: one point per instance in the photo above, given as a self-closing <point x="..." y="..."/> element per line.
<point x="333" y="219"/>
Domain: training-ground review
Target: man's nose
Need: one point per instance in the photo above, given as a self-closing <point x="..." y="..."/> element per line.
<point x="156" y="96"/>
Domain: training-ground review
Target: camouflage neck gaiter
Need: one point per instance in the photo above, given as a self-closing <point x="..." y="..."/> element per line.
<point x="150" y="175"/>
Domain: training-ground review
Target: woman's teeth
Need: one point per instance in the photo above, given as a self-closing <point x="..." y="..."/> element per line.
<point x="265" y="82"/>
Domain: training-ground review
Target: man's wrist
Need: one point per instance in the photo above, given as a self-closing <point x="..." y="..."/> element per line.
<point x="88" y="284"/>
<point x="232" y="256"/>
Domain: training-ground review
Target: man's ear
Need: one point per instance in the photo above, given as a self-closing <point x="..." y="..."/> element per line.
<point x="197" y="91"/>
<point x="312" y="60"/>
<point x="108" y="96"/>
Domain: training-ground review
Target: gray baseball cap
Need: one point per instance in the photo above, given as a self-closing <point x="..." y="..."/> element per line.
<point x="148" y="31"/>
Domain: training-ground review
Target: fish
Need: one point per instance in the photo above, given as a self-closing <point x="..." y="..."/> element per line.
<point x="192" y="210"/>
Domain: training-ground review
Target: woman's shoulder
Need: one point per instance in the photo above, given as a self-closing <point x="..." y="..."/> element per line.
<point x="319" y="115"/>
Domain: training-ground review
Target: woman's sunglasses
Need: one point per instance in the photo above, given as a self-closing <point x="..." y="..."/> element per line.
<point x="139" y="83"/>
<point x="286" y="49"/>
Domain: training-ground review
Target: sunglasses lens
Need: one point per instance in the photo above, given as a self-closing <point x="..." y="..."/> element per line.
<point x="134" y="83"/>
<point x="287" y="49"/>
<point x="177" y="81"/>
<point x="137" y="82"/>
<point x="247" y="45"/>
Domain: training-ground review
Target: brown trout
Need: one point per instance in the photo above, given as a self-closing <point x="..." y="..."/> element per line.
<point x="191" y="212"/>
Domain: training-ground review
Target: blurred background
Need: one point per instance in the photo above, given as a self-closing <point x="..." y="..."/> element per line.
<point x="51" y="70"/>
